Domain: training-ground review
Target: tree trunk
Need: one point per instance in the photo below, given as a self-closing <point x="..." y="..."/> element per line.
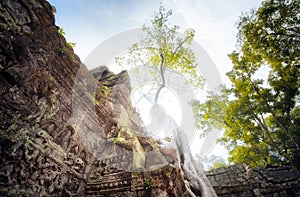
<point x="63" y="131"/>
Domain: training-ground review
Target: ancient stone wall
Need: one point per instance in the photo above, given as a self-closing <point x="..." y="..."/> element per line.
<point x="242" y="180"/>
<point x="63" y="130"/>
<point x="66" y="131"/>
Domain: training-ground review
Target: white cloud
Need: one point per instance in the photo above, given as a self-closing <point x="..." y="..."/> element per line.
<point x="214" y="22"/>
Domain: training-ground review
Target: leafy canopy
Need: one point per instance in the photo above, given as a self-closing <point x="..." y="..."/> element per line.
<point x="162" y="48"/>
<point x="261" y="114"/>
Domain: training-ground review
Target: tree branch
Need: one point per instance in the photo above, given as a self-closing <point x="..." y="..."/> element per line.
<point x="180" y="45"/>
<point x="272" y="112"/>
<point x="162" y="75"/>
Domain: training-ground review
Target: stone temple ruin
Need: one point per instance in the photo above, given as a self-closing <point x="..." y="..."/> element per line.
<point x="242" y="180"/>
<point x="63" y="134"/>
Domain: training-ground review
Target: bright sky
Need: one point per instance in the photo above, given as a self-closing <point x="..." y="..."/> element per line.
<point x="90" y="22"/>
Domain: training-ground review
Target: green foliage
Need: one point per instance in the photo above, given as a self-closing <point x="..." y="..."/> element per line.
<point x="148" y="184"/>
<point x="105" y="90"/>
<point x="61" y="51"/>
<point x="69" y="44"/>
<point x="218" y="165"/>
<point x="61" y="31"/>
<point x="162" y="48"/>
<point x="210" y="162"/>
<point x="51" y="78"/>
<point x="119" y="138"/>
<point x="212" y="112"/>
<point x="261" y="115"/>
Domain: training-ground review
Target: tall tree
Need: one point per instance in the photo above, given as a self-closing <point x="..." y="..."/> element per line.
<point x="261" y="115"/>
<point x="162" y="48"/>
